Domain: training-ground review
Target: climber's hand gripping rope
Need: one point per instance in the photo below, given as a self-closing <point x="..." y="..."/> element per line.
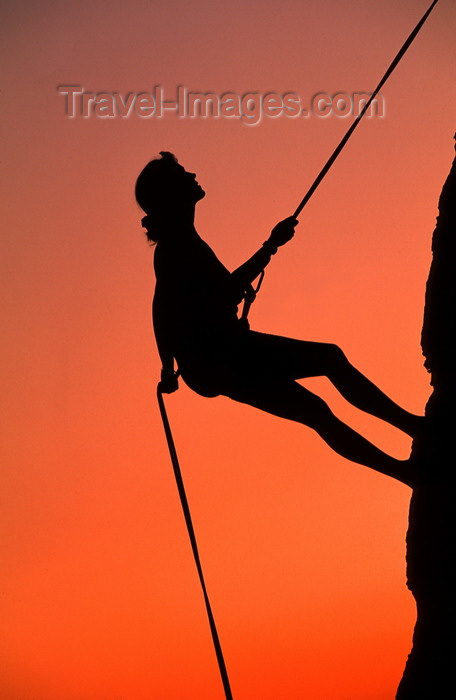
<point x="168" y="381"/>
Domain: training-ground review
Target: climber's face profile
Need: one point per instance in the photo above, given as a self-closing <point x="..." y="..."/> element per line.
<point x="184" y="185"/>
<point x="164" y="187"/>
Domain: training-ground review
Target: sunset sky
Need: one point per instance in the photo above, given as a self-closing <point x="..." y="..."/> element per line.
<point x="303" y="551"/>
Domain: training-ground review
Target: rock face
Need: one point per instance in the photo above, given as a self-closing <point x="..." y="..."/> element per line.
<point x="429" y="670"/>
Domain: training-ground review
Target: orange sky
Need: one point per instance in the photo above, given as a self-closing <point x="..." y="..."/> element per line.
<point x="303" y="551"/>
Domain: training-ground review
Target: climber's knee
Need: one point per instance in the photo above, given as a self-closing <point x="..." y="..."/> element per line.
<point x="336" y="361"/>
<point x="316" y="412"/>
<point x="336" y="354"/>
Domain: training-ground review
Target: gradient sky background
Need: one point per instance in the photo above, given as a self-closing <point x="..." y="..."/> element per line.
<point x="303" y="551"/>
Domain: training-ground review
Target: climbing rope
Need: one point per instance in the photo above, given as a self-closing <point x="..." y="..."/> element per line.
<point x="191" y="533"/>
<point x="336" y="152"/>
<point x="249" y="301"/>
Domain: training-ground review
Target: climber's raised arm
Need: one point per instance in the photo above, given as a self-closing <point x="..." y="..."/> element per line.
<point x="244" y="275"/>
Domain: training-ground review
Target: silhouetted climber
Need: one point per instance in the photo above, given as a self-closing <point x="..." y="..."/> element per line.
<point x="196" y="324"/>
